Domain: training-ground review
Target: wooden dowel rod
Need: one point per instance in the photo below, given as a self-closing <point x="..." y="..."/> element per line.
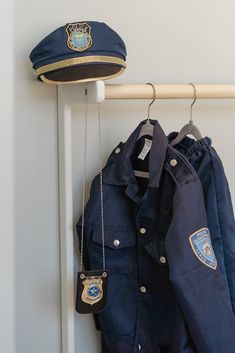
<point x="169" y="91"/>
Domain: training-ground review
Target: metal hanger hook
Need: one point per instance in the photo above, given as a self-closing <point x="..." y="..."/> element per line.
<point x="154" y="97"/>
<point x="194" y="100"/>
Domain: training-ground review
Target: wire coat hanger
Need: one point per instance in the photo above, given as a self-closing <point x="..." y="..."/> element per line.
<point x="190" y="128"/>
<point x="148" y="128"/>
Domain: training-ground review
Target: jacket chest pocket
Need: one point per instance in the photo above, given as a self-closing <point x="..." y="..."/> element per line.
<point x="119" y="248"/>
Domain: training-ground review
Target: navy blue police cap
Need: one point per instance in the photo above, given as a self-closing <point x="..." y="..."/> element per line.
<point x="79" y="52"/>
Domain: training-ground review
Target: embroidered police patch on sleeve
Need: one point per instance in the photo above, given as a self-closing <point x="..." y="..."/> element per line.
<point x="201" y="244"/>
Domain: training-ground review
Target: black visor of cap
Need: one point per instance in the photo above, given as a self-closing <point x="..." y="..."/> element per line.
<point x="82" y="73"/>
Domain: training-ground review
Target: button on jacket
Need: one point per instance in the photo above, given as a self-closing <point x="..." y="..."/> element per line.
<point x="166" y="292"/>
<point x="219" y="209"/>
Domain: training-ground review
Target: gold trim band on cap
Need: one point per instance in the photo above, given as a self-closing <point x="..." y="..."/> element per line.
<point x="46" y="80"/>
<point x="76" y="61"/>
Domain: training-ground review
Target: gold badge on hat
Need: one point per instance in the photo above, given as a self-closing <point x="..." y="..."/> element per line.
<point x="79" y="37"/>
<point x="92" y="291"/>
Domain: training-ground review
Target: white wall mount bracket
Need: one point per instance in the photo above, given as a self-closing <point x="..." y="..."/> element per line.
<point x="72" y="94"/>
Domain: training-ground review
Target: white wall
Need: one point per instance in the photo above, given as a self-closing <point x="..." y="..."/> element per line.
<point x="7" y="343"/>
<point x="167" y="42"/>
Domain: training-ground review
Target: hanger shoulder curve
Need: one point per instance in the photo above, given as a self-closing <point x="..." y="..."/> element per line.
<point x="188" y="129"/>
<point x="146" y="129"/>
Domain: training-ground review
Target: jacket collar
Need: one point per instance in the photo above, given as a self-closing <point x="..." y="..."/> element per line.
<point x="121" y="171"/>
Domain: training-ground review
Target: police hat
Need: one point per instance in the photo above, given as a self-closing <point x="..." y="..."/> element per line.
<point x="79" y="52"/>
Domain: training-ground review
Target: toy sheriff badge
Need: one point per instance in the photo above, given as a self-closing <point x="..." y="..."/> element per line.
<point x="92" y="291"/>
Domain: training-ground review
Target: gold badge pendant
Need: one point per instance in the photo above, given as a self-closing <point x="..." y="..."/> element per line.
<point x="79" y="37"/>
<point x="92" y="291"/>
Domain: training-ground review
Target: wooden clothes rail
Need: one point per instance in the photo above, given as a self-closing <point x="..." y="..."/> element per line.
<point x="97" y="92"/>
<point x="168" y="91"/>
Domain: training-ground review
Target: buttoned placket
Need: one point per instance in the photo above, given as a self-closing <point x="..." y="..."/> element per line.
<point x="122" y="173"/>
<point x="143" y="289"/>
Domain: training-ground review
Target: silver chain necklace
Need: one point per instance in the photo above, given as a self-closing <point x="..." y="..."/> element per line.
<point x="84" y="186"/>
<point x="91" y="285"/>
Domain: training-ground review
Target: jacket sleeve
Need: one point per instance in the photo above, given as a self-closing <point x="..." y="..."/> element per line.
<point x="226" y="221"/>
<point x="195" y="275"/>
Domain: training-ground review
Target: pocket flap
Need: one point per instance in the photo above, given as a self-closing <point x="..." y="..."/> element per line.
<point x="156" y="248"/>
<point x="115" y="237"/>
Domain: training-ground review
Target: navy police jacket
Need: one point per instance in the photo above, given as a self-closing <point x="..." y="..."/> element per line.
<point x="166" y="292"/>
<point x="220" y="217"/>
